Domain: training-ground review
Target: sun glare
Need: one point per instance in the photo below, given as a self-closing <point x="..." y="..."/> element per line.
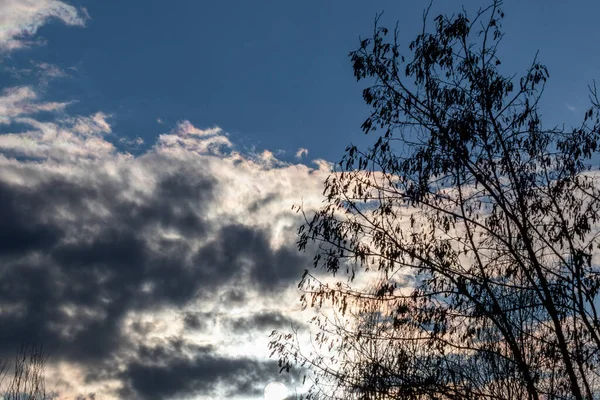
<point x="276" y="391"/>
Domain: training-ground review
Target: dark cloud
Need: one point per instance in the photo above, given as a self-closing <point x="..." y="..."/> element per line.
<point x="184" y="377"/>
<point x="20" y="233"/>
<point x="90" y="396"/>
<point x="262" y="321"/>
<point x="100" y="264"/>
<point x="259" y="204"/>
<point x="198" y="320"/>
<point x="177" y="369"/>
<point x="239" y="247"/>
<point x="77" y="255"/>
<point x="234" y="296"/>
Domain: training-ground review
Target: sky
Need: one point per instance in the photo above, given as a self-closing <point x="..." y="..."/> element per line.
<point x="150" y="153"/>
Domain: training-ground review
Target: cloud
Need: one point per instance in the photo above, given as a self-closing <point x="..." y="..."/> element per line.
<point x="186" y="137"/>
<point x="20" y="20"/>
<point x="198" y="320"/>
<point x="266" y="320"/>
<point x="113" y="260"/>
<point x="23" y="100"/>
<point x="131" y="143"/>
<point x="63" y="138"/>
<point x="43" y="72"/>
<point x="178" y="369"/>
<point x="137" y="273"/>
<point x="49" y="71"/>
<point x="302" y="152"/>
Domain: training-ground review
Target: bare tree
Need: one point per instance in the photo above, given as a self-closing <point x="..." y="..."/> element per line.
<point x="25" y="379"/>
<point x="479" y="223"/>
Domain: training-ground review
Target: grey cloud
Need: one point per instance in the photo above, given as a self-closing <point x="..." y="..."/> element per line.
<point x="238" y="246"/>
<point x="177" y="369"/>
<point x="78" y="252"/>
<point x="200" y="375"/>
<point x="198" y="320"/>
<point x="262" y="321"/>
<point x="234" y="296"/>
<point x="19" y="233"/>
<point x="99" y="248"/>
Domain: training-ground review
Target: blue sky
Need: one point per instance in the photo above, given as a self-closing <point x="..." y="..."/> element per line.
<point x="275" y="74"/>
<point x="148" y="167"/>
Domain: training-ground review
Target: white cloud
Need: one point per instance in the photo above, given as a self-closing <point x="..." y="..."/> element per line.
<point x="186" y="128"/>
<point x="185" y="137"/>
<point x="23" y="100"/>
<point x="91" y="125"/>
<point x="20" y="20"/>
<point x="134" y="143"/>
<point x="64" y="137"/>
<point x="302" y="152"/>
<point x="49" y="71"/>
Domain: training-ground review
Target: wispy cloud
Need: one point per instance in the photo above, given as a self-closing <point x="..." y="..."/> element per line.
<point x="48" y="70"/>
<point x="61" y="138"/>
<point x="185" y="137"/>
<point x="302" y="152"/>
<point x="20" y="20"/>
<point x="23" y="100"/>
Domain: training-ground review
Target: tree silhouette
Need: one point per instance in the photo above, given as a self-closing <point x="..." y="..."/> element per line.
<point x="25" y="378"/>
<point x="478" y="224"/>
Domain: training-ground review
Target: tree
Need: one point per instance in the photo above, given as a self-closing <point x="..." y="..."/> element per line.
<point x="25" y="379"/>
<point x="479" y="224"/>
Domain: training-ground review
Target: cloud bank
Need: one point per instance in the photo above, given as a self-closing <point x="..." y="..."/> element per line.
<point x="151" y="276"/>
